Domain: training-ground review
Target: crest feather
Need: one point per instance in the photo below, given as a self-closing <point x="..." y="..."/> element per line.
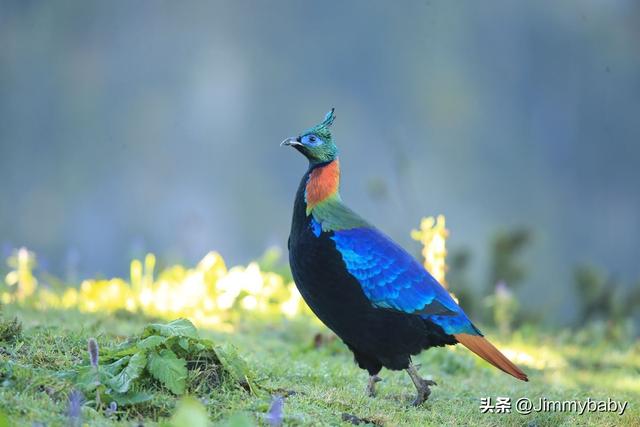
<point x="329" y="118"/>
<point x="322" y="130"/>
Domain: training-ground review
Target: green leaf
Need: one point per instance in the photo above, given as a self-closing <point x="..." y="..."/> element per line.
<point x="176" y="328"/>
<point x="184" y="343"/>
<point x="115" y="367"/>
<point x="235" y="365"/>
<point x="121" y="383"/>
<point x="167" y="368"/>
<point x="120" y="351"/>
<point x="190" y="412"/>
<point x="130" y="398"/>
<point x="173" y="344"/>
<point x="151" y="342"/>
<point x="207" y="342"/>
<point x="88" y="379"/>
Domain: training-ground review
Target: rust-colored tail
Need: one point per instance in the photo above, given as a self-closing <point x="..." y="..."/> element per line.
<point x="483" y="348"/>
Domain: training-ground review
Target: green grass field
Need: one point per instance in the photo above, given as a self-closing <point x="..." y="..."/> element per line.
<point x="321" y="384"/>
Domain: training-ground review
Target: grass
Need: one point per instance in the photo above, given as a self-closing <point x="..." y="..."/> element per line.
<point x="321" y="384"/>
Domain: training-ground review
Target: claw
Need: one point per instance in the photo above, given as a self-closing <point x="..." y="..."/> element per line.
<point x="422" y="385"/>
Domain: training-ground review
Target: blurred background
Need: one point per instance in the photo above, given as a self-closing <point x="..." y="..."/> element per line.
<point x="129" y="127"/>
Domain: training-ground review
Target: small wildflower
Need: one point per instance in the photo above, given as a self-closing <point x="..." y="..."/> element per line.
<point x="93" y="352"/>
<point x="505" y="307"/>
<point x="274" y="416"/>
<point x="76" y="399"/>
<point x="111" y="409"/>
<point x="502" y="291"/>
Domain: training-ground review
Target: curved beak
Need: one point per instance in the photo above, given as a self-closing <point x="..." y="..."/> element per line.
<point x="290" y="142"/>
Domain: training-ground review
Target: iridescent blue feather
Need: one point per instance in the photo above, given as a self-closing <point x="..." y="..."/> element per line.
<point x="316" y="228"/>
<point x="393" y="279"/>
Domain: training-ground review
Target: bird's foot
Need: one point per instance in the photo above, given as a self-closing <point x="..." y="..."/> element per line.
<point x="423" y="392"/>
<point x="422" y="385"/>
<point x="371" y="386"/>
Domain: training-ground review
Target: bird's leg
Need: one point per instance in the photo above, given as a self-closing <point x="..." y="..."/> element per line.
<point x="422" y="385"/>
<point x="371" y="386"/>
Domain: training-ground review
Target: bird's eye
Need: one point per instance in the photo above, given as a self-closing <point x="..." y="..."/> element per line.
<point x="311" y="140"/>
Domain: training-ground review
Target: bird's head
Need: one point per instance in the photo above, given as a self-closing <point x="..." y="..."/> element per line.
<point x="316" y="143"/>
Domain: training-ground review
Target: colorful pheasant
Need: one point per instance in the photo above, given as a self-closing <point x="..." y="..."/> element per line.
<point x="375" y="296"/>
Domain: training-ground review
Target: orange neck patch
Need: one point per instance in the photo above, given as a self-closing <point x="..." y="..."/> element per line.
<point x="323" y="183"/>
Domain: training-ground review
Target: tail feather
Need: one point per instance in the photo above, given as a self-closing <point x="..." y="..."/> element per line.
<point x="483" y="348"/>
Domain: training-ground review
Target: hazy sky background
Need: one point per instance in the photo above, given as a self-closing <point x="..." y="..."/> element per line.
<point x="128" y="127"/>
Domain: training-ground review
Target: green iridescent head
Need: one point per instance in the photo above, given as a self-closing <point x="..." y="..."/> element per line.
<point x="316" y="143"/>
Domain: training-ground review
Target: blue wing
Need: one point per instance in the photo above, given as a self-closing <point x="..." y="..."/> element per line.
<point x="393" y="279"/>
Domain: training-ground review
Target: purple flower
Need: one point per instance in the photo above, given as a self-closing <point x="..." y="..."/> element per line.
<point x="76" y="399"/>
<point x="274" y="415"/>
<point x="113" y="407"/>
<point x="93" y="352"/>
<point x="502" y="290"/>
